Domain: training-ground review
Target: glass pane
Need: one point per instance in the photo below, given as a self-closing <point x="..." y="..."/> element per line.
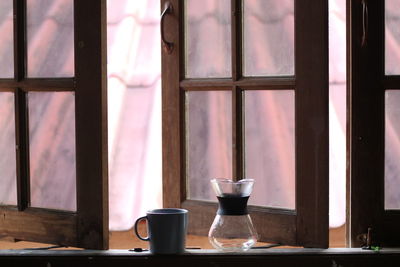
<point x="50" y="31"/>
<point x="209" y="141"/>
<point x="8" y="175"/>
<point x="392" y="149"/>
<point x="208" y="38"/>
<point x="52" y="150"/>
<point x="268" y="37"/>
<point x="269" y="147"/>
<point x="392" y="37"/>
<point x="6" y="43"/>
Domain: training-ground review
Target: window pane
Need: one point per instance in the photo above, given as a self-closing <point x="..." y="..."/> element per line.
<point x="392" y="37"/>
<point x="8" y="176"/>
<point x="50" y="31"/>
<point x="392" y="149"/>
<point x="208" y="38"/>
<point x="209" y="141"/>
<point x="52" y="150"/>
<point x="269" y="147"/>
<point x="268" y="37"/>
<point x="6" y="43"/>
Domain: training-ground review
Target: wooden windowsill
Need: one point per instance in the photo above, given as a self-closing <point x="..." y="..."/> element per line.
<point x="201" y="252"/>
<point x="121" y="242"/>
<point x="125" y="240"/>
<point x="260" y="257"/>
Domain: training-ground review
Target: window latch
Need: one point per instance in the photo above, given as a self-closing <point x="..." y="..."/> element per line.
<point x="364" y="37"/>
<point x="168" y="46"/>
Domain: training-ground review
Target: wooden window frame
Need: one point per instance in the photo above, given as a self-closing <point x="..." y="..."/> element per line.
<point x="308" y="225"/>
<point x="265" y="257"/>
<point x="367" y="84"/>
<point x="88" y="226"/>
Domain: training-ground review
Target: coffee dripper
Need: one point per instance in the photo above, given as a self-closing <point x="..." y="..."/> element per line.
<point x="232" y="229"/>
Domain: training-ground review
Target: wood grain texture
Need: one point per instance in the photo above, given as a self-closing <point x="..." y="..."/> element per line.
<point x="236" y="39"/>
<point x="366" y="134"/>
<point x="89" y="226"/>
<point x="172" y="117"/>
<point x="127" y="240"/>
<point x="39" y="225"/>
<point x="392" y="82"/>
<point x="40" y="84"/>
<point x="22" y="153"/>
<point x="19" y="12"/>
<point x="312" y="123"/>
<point x="238" y="172"/>
<point x="91" y="123"/>
<point x="309" y="225"/>
<point x="366" y="128"/>
<point x="256" y="83"/>
<point x="264" y="257"/>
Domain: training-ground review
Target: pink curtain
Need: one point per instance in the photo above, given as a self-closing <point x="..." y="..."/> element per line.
<point x="134" y="110"/>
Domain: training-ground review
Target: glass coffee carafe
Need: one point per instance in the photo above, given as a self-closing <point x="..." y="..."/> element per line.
<point x="232" y="229"/>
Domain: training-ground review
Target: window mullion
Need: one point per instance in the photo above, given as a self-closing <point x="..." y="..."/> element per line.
<point x="237" y="127"/>
<point x="236" y="34"/>
<point x="237" y="135"/>
<point x="21" y="123"/>
<point x="22" y="149"/>
<point x="19" y="39"/>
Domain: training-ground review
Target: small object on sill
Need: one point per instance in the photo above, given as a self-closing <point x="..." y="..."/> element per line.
<point x="374" y="248"/>
<point x="138" y="249"/>
<point x="143" y="249"/>
<point x="267" y="246"/>
<point x="45" y="248"/>
<point x="367" y="241"/>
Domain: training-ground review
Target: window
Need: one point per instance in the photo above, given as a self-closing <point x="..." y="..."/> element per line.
<point x="373" y="119"/>
<point x="63" y="74"/>
<point x="218" y="92"/>
<point x="229" y="95"/>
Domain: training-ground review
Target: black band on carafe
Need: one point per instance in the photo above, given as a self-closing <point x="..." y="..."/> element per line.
<point x="232" y="205"/>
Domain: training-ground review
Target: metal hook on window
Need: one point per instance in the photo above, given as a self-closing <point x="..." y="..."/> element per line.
<point x="168" y="46"/>
<point x="364" y="38"/>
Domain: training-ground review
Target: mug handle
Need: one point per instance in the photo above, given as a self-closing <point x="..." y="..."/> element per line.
<point x="136" y="230"/>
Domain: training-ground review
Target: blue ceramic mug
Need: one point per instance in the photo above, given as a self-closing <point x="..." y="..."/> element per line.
<point x="166" y="229"/>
